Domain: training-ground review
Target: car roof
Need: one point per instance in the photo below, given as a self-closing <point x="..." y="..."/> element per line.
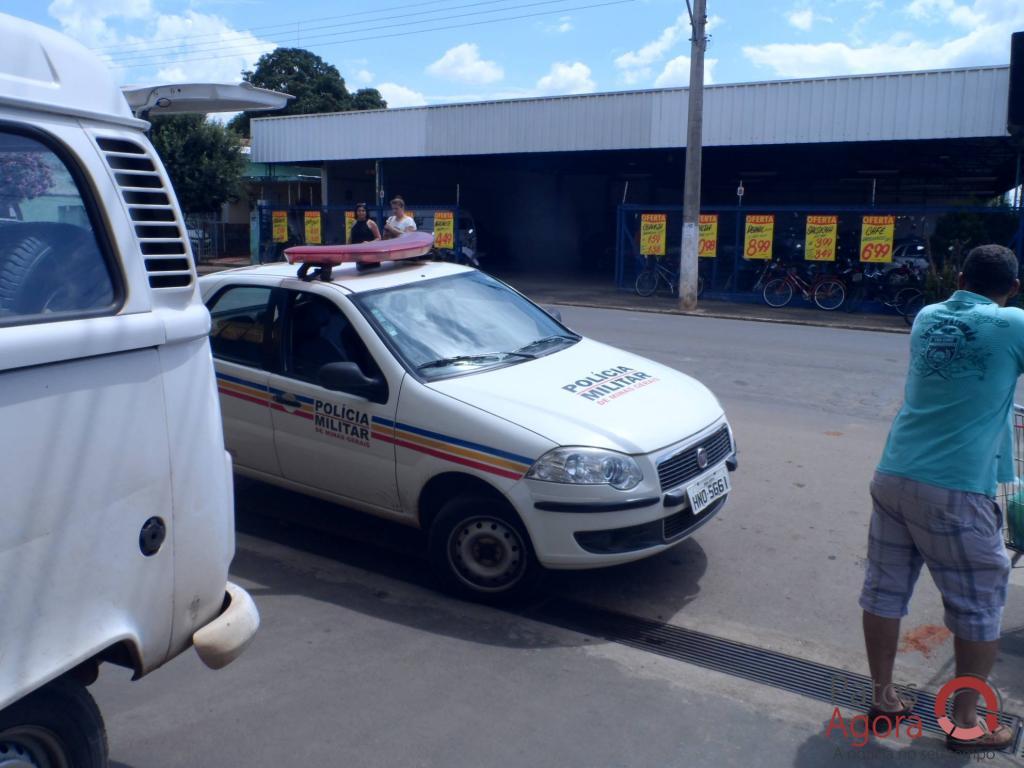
<point x="345" y="276"/>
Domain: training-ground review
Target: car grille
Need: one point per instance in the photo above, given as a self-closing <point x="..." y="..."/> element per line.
<point x="682" y="522"/>
<point x="676" y="524"/>
<point x="681" y="467"/>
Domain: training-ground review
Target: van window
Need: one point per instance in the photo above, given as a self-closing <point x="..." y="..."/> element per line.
<point x="51" y="263"/>
<point x="239" y="316"/>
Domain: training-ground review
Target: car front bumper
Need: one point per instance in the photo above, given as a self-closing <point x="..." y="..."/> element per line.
<point x="607" y="527"/>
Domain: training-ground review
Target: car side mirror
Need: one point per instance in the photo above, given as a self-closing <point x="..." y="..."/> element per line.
<point x="348" y="378"/>
<point x="554" y="313"/>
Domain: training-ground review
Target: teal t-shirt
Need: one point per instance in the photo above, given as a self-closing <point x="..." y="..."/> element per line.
<point x="955" y="428"/>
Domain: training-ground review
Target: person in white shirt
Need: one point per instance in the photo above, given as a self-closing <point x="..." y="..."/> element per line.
<point x="398" y="223"/>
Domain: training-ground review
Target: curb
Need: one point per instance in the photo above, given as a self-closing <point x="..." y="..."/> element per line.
<point x="724" y="316"/>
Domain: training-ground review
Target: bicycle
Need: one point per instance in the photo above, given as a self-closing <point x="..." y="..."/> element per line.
<point x="898" y="288"/>
<point x="655" y="273"/>
<point x="826" y="291"/>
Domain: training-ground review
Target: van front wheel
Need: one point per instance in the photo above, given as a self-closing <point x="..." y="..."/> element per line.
<point x="481" y="550"/>
<point x="58" y="726"/>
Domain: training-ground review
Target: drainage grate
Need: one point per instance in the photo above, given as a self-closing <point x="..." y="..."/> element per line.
<point x="789" y="673"/>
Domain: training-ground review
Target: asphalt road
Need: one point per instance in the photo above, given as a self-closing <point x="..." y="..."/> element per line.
<point x="360" y="662"/>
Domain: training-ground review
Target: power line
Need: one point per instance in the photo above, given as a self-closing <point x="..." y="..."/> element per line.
<point x="287" y="25"/>
<point x="338" y="38"/>
<point x="142" y="59"/>
<point x="126" y="50"/>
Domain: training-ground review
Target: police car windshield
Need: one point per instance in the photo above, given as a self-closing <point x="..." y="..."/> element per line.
<point x="462" y="324"/>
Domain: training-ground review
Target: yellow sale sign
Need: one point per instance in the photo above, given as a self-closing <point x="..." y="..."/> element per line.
<point x="652" y="234"/>
<point x="758" y="236"/>
<point x="444" y="229"/>
<point x="707" y="227"/>
<point x="312" y="221"/>
<point x="820" y="244"/>
<point x="876" y="235"/>
<point x="280" y="226"/>
<point x="350" y="221"/>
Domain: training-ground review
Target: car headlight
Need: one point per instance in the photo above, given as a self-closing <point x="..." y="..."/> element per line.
<point x="587" y="466"/>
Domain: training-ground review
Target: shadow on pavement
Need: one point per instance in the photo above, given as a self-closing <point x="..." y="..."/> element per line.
<point x="838" y="750"/>
<point x="396" y="551"/>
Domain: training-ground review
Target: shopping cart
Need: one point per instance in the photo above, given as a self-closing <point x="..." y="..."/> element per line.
<point x="1011" y="495"/>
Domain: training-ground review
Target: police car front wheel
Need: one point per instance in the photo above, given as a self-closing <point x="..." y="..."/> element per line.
<point x="481" y="549"/>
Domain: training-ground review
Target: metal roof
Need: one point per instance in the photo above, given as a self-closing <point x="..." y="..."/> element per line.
<point x="942" y="104"/>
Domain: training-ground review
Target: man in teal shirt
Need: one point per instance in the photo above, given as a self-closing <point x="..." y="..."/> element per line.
<point x="933" y="494"/>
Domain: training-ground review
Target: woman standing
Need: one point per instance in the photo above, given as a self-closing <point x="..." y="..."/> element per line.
<point x="364" y="230"/>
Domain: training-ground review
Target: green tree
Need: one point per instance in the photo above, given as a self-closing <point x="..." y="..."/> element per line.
<point x="316" y="85"/>
<point x="202" y="158"/>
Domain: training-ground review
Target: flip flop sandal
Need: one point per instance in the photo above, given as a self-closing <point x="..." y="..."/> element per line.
<point x="875" y="713"/>
<point x="983" y="743"/>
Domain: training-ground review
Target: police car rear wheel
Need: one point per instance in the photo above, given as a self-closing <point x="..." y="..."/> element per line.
<point x="481" y="549"/>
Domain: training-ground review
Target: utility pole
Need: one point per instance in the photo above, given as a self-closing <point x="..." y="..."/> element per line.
<point x="694" y="142"/>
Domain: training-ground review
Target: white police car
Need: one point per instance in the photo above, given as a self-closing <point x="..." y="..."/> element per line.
<point x="437" y="396"/>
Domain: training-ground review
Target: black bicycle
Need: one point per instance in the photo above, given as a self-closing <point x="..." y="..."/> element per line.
<point x="900" y="288"/>
<point x="656" y="275"/>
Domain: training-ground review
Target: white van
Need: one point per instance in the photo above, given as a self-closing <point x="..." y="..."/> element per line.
<point x="116" y="529"/>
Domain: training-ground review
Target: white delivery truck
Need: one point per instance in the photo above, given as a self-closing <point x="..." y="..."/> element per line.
<point x="116" y="519"/>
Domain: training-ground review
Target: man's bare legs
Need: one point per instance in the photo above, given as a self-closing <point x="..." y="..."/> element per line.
<point x="881" y="636"/>
<point x="977" y="659"/>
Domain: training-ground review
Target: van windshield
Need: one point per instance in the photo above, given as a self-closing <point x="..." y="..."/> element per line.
<point x="462" y="324"/>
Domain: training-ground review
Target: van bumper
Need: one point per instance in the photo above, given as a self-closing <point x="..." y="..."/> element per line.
<point x="222" y="640"/>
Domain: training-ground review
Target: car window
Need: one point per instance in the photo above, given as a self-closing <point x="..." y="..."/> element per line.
<point x="239" y="324"/>
<point x="52" y="264"/>
<point x="319" y="333"/>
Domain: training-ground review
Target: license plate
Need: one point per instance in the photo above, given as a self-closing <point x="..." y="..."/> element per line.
<point x="708" y="489"/>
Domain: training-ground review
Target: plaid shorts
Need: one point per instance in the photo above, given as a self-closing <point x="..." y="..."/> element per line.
<point x="958" y="534"/>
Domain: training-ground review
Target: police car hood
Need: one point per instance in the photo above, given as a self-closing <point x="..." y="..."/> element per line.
<point x="592" y="394"/>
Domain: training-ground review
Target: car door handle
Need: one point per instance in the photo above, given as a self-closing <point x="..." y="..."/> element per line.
<point x="284" y="399"/>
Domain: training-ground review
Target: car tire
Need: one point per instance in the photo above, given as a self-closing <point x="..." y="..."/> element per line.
<point x="32" y="274"/>
<point x="59" y="725"/>
<point x="481" y="550"/>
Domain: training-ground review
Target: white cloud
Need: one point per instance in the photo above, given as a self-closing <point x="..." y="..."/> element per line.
<point x="85" y="20"/>
<point x="986" y="41"/>
<point x="802" y="19"/>
<point x="646" y="55"/>
<point x="463" y="63"/>
<point x="944" y="10"/>
<point x="146" y="46"/>
<point x="560" y="27"/>
<point x="677" y="73"/>
<point x="363" y="77"/>
<point x="399" y="96"/>
<point x="637" y="66"/>
<point x="566" y="78"/>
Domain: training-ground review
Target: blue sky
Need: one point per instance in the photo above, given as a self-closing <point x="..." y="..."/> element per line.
<point x="437" y="51"/>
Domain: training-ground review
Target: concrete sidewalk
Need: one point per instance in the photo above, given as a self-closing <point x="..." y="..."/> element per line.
<point x="580" y="292"/>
